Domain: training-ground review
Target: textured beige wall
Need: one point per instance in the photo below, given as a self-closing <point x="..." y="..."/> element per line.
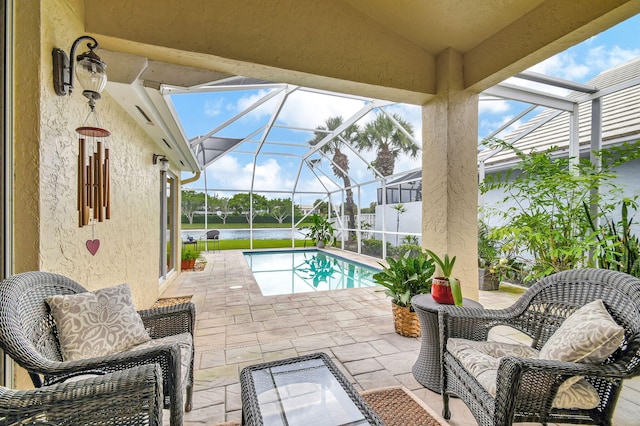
<point x="46" y="149"/>
<point x="47" y="234"/>
<point x="26" y="133"/>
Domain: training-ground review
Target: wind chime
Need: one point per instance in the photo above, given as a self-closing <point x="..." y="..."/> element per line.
<point x="93" y="176"/>
<point x="94" y="199"/>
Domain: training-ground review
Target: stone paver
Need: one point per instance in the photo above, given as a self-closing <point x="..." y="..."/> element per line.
<point x="364" y="366"/>
<point x="240" y="327"/>
<point x="355" y="352"/>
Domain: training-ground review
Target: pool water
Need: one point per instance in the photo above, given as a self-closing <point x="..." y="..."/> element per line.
<point x="303" y="271"/>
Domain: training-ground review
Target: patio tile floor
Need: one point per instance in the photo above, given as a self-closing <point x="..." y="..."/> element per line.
<point x="237" y="326"/>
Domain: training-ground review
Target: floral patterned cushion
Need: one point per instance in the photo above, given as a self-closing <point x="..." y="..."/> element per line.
<point x="588" y="335"/>
<point x="95" y="324"/>
<point x="482" y="359"/>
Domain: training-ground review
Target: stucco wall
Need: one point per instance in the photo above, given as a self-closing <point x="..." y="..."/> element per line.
<point x="129" y="241"/>
<point x="410" y="220"/>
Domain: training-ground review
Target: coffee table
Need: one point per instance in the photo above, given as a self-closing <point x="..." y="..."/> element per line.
<point x="428" y="368"/>
<point x="306" y="390"/>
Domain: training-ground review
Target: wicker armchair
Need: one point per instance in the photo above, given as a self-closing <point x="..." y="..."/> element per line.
<point x="28" y="334"/>
<point x="526" y="386"/>
<point x="127" y="397"/>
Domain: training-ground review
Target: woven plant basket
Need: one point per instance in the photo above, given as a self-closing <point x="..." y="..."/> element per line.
<point x="405" y="321"/>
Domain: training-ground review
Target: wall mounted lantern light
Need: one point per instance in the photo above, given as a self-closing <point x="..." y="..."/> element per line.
<point x="164" y="161"/>
<point x="90" y="70"/>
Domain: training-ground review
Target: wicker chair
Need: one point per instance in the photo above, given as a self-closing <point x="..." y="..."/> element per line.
<point x="526" y="387"/>
<point x="126" y="397"/>
<point x="28" y="334"/>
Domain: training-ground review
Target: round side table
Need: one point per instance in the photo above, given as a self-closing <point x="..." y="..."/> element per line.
<point x="427" y="369"/>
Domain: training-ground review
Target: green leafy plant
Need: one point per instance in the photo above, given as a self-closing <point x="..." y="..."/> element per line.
<point x="405" y="277"/>
<point x="488" y="251"/>
<point x="542" y="208"/>
<point x="321" y="231"/>
<point x="619" y="249"/>
<point x="446" y="268"/>
<point x="189" y="254"/>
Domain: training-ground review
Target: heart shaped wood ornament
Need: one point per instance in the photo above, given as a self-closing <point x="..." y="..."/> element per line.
<point x="93" y="246"/>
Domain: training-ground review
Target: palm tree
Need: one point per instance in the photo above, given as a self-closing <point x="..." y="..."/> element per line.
<point x="388" y="140"/>
<point x="340" y="161"/>
<point x="400" y="209"/>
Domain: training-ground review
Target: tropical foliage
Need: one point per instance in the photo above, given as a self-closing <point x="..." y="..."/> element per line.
<point x="192" y="202"/>
<point x="445" y="264"/>
<point x="388" y="136"/>
<point x="406" y="277"/>
<point x="388" y="140"/>
<point x="339" y="160"/>
<point x="189" y="254"/>
<point x="542" y="213"/>
<point x="321" y="231"/>
<point x="280" y="208"/>
<point x="618" y="248"/>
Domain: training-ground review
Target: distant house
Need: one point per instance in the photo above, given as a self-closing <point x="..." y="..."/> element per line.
<point x="619" y="92"/>
<point x="405" y="189"/>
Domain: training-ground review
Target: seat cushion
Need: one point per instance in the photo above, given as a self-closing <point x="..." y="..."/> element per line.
<point x="95" y="324"/>
<point x="185" y="342"/>
<point x="482" y="359"/>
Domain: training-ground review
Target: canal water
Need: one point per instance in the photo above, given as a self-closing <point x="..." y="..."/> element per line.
<point x="243" y="234"/>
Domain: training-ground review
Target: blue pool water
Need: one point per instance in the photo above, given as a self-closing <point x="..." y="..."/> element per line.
<point x="303" y="271"/>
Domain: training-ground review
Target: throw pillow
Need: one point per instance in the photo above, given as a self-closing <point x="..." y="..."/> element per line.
<point x="588" y="335"/>
<point x="95" y="324"/>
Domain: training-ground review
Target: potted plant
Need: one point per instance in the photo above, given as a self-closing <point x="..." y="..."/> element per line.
<point x="404" y="278"/>
<point x="488" y="260"/>
<point x="445" y="289"/>
<point x="188" y="259"/>
<point x="321" y="231"/>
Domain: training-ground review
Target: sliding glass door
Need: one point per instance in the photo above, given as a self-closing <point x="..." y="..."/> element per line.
<point x="168" y="223"/>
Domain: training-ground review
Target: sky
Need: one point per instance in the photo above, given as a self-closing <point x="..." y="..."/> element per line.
<point x="202" y="112"/>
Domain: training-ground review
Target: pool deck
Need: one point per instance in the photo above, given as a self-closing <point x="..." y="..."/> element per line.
<point x="238" y="326"/>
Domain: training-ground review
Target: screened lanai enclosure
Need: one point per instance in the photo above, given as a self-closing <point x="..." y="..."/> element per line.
<point x="307" y="151"/>
<point x="358" y="160"/>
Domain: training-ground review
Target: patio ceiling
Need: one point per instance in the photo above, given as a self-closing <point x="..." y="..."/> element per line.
<point x="371" y="49"/>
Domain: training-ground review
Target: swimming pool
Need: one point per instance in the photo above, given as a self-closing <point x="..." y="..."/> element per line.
<point x="303" y="271"/>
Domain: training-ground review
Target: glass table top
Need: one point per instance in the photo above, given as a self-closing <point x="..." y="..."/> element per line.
<point x="304" y="393"/>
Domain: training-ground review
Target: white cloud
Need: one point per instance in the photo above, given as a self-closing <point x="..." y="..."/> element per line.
<point x="311" y="110"/>
<point x="601" y="58"/>
<point x="230" y="173"/>
<point x="317" y="184"/>
<point x="498" y="106"/>
<point x="563" y="65"/>
<point x="268" y="175"/>
<point x="404" y="163"/>
<point x="213" y="108"/>
<point x="574" y="66"/>
<point x="247" y="101"/>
